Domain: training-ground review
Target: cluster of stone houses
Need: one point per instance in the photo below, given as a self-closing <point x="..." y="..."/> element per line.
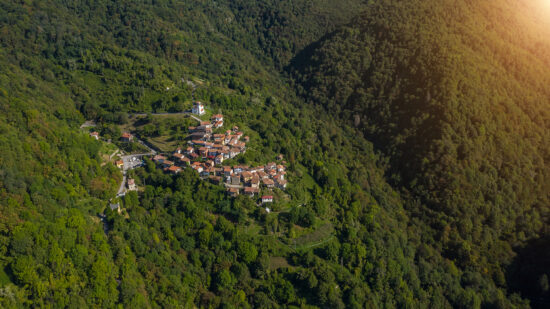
<point x="272" y="175"/>
<point x="237" y="179"/>
<point x="207" y="151"/>
<point x="217" y="147"/>
<point x="248" y="180"/>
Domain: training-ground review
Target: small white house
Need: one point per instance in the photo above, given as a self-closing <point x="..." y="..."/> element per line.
<point x="198" y="108"/>
<point x="217" y="117"/>
<point x="267" y="199"/>
<point x="132" y="185"/>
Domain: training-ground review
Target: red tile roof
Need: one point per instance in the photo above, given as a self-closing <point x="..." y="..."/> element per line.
<point x="159" y="157"/>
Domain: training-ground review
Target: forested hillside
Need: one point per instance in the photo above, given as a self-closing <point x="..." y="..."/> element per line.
<point x="458" y="102"/>
<point x="416" y="134"/>
<point x="183" y="243"/>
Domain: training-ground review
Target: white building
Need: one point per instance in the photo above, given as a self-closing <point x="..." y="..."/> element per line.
<point x="115" y="207"/>
<point x="132" y="185"/>
<point x="267" y="199"/>
<point x="198" y="108"/>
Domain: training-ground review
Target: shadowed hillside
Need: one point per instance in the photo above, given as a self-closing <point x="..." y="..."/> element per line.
<point x="455" y="94"/>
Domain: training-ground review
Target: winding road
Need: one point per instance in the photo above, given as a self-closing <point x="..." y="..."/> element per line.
<point x="132" y="161"/>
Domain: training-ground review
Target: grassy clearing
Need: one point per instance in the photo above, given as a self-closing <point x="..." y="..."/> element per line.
<point x="165" y="132"/>
<point x="106" y="150"/>
<point x="252" y="228"/>
<point x="164" y="143"/>
<point x="276" y="262"/>
<point x="321" y="234"/>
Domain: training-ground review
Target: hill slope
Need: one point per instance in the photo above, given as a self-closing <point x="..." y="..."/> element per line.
<point x="183" y="243"/>
<point x="341" y="236"/>
<point x="458" y="101"/>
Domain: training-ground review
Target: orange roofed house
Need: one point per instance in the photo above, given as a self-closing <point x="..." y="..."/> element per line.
<point x="217" y="120"/>
<point x="251" y="191"/>
<point x="233" y="192"/>
<point x="127" y="137"/>
<point x="173" y="169"/>
<point x="269" y="182"/>
<point x="159" y="158"/>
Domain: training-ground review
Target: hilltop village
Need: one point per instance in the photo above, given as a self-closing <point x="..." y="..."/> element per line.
<point x="206" y="151"/>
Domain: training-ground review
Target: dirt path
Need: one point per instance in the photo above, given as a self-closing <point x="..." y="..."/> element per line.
<point x="113" y="154"/>
<point x="88" y="124"/>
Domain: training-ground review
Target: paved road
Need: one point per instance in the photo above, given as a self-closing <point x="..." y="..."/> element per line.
<point x="135" y="160"/>
<point x="113" y="154"/>
<point x="147" y="145"/>
<point x="196" y="118"/>
<point x="122" y="188"/>
<point x="132" y="161"/>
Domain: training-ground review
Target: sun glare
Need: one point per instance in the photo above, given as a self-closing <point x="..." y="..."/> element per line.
<point x="545" y="4"/>
<point x="543" y="8"/>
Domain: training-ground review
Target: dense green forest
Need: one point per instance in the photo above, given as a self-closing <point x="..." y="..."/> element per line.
<point x="417" y="136"/>
<point x="458" y="103"/>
